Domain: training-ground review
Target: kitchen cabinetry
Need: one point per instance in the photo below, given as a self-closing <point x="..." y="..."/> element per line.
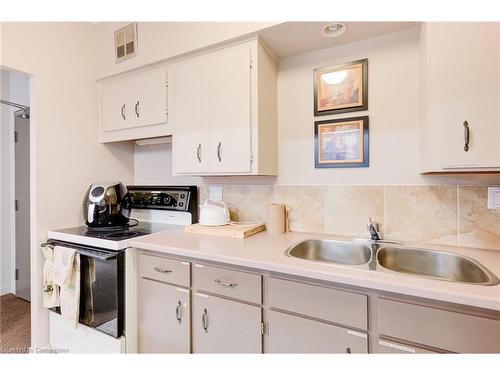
<point x="225" y="326"/>
<point x="134" y="106"/>
<point x="294" y="334"/>
<point x="318" y="306"/>
<point x="163" y="305"/>
<point x="460" y="97"/>
<point x="223" y="110"/>
<point x="236" y="310"/>
<point x="164" y="318"/>
<point x="437" y="328"/>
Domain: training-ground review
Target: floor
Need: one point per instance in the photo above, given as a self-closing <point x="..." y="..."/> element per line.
<point x="15" y="326"/>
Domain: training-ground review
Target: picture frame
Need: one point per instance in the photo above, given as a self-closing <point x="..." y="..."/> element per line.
<point x="341" y="88"/>
<point x="342" y="143"/>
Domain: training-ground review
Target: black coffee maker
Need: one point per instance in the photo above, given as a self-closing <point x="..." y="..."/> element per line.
<point x="106" y="205"/>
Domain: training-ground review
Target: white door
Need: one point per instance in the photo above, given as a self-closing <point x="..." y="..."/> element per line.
<point x="22" y="181"/>
<point x="189" y="116"/>
<point x="292" y="334"/>
<point x="465" y="85"/>
<point x="229" y="106"/>
<point x="225" y="326"/>
<point x="163" y="318"/>
<point x="149" y="98"/>
<point x="117" y="104"/>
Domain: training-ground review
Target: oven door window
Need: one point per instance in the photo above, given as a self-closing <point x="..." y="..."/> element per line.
<point x="102" y="294"/>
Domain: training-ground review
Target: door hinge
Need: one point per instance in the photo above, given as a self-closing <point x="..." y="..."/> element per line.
<point x="17" y="274"/>
<point x="16" y="137"/>
<point x="264" y="328"/>
<point x="16" y="205"/>
<point x="251" y="63"/>
<point x="251" y="157"/>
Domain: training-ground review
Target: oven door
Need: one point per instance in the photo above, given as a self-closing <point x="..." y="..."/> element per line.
<point x="102" y="288"/>
<point x="102" y="293"/>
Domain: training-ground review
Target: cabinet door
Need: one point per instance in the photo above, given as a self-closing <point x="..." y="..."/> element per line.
<point x="463" y="83"/>
<point x="229" y="106"/>
<point x="163" y="318"/>
<point x="188" y="85"/>
<point x="116" y="107"/>
<point x="225" y="326"/>
<point x="292" y="334"/>
<point x="391" y="347"/>
<point x="149" y="100"/>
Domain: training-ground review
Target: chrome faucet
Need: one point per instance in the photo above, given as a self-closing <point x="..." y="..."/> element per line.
<point x="373" y="228"/>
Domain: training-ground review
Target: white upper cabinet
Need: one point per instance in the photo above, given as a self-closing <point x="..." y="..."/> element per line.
<point x="460" y="106"/>
<point x="223" y="111"/>
<point x="134" y="106"/>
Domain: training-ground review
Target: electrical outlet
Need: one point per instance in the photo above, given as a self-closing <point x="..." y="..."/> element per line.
<point x="494" y="198"/>
<point x="216" y="192"/>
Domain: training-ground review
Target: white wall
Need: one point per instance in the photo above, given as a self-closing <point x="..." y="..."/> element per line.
<point x="61" y="57"/>
<point x="163" y="40"/>
<point x="393" y="110"/>
<point x="15" y="88"/>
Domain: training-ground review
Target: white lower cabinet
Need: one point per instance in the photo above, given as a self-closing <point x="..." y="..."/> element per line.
<point x="293" y="334"/>
<point x="225" y="326"/>
<point x="164" y="318"/>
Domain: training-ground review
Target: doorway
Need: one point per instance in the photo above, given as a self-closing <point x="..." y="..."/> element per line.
<point x="15" y="234"/>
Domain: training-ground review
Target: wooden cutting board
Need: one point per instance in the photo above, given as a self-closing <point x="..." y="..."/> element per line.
<point x="232" y="231"/>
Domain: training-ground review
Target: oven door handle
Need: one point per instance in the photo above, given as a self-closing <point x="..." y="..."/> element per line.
<point x="83" y="251"/>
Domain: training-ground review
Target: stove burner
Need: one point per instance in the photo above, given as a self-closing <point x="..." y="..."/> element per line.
<point x="122" y="235"/>
<point x="113" y="228"/>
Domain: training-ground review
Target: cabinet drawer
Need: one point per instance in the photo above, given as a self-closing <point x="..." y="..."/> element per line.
<point x="230" y="283"/>
<point x="336" y="306"/>
<point x="164" y="269"/>
<point x="437" y="328"/>
<point x="293" y="334"/>
<point x="391" y="347"/>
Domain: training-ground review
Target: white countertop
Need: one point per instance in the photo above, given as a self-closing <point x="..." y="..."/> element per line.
<point x="266" y="252"/>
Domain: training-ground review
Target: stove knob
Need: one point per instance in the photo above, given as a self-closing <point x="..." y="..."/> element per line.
<point x="167" y="199"/>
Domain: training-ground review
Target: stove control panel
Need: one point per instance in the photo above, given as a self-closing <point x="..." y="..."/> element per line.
<point x="162" y="198"/>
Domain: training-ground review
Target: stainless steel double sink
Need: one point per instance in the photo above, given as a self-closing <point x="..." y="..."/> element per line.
<point x="425" y="263"/>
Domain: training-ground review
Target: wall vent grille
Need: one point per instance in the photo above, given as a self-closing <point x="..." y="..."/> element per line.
<point x="126" y="42"/>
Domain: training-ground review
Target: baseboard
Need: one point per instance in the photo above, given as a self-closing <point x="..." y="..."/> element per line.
<point x="6" y="290"/>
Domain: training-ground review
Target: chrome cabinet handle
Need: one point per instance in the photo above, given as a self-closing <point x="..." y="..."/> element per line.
<point x="226" y="283"/>
<point x="178" y="312"/>
<point x="204" y="320"/>
<point x="161" y="270"/>
<point x="198" y="152"/>
<point x="137" y="109"/>
<point x="218" y="152"/>
<point x="123" y="112"/>
<point x="466" y="136"/>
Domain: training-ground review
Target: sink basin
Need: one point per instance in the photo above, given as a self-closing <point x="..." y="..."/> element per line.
<point x="331" y="252"/>
<point x="435" y="264"/>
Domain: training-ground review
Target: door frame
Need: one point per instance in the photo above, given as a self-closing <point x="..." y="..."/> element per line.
<point x="39" y="315"/>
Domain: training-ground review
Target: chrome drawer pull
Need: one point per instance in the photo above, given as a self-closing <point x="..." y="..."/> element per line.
<point x="466" y="136"/>
<point x="226" y="283"/>
<point x="198" y="152"/>
<point x="204" y="320"/>
<point x="137" y="109"/>
<point x="161" y="270"/>
<point x="218" y="152"/>
<point x="178" y="312"/>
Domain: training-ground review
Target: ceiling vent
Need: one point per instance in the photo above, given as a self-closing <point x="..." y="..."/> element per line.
<point x="126" y="42"/>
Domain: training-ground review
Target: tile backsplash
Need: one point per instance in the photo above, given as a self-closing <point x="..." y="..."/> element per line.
<point x="450" y="215"/>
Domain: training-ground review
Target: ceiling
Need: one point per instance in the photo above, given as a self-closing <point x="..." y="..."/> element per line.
<point x="293" y="38"/>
